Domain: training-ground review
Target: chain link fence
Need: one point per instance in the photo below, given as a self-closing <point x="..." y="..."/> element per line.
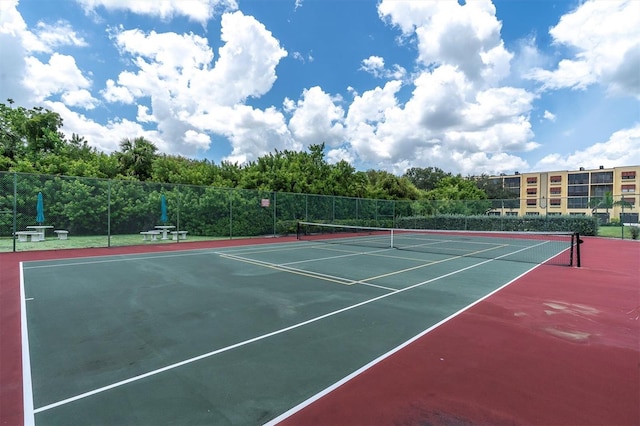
<point x="106" y="213"/>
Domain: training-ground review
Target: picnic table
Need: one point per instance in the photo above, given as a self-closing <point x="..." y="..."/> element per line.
<point x="164" y="229"/>
<point x="40" y="229"/>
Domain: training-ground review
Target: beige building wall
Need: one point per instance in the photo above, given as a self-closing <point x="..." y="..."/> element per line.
<point x="581" y="192"/>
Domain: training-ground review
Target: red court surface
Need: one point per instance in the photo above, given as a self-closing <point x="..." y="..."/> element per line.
<point x="560" y="346"/>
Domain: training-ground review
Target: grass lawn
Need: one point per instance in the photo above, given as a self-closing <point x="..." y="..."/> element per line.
<point x="615" y="231"/>
<point x="53" y="243"/>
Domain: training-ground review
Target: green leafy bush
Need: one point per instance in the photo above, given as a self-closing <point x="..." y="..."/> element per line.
<point x="582" y="224"/>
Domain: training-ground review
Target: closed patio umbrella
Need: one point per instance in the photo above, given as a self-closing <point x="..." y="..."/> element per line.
<point x="40" y="209"/>
<point x="163" y="209"/>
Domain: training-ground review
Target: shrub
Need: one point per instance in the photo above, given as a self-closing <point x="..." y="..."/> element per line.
<point x="635" y="232"/>
<point x="584" y="225"/>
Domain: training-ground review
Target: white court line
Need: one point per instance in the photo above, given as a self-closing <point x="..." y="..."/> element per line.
<point x="312" y="274"/>
<point x="327" y="277"/>
<point x="110" y="258"/>
<point x="27" y="389"/>
<point x="129" y="258"/>
<point x="246" y="342"/>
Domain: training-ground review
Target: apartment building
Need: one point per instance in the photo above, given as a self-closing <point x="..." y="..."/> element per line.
<point x="610" y="193"/>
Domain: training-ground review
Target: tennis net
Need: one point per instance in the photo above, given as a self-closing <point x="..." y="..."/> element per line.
<point x="556" y="248"/>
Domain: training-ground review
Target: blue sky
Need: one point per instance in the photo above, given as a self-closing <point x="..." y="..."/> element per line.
<point x="475" y="87"/>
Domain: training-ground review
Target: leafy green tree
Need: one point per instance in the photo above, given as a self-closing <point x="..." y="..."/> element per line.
<point x="29" y="132"/>
<point x="427" y="178"/>
<point x="136" y="158"/>
<point x="12" y="141"/>
<point x="384" y="185"/>
<point x="41" y="129"/>
<point x="493" y="188"/>
<point x="469" y="199"/>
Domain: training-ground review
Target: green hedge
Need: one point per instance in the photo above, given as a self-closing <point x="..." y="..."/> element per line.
<point x="582" y="224"/>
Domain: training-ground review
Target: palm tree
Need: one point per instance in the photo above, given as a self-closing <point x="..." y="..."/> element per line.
<point x="136" y="157"/>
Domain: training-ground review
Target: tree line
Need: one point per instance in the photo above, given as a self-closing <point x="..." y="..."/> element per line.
<point x="31" y="141"/>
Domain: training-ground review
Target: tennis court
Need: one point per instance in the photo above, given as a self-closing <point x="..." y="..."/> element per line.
<point x="241" y="335"/>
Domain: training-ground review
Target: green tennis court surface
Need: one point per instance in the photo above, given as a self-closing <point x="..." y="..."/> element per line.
<point x="233" y="336"/>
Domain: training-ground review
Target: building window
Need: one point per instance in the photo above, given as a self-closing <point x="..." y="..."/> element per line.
<point x="532" y="191"/>
<point x="511" y="214"/>
<point x="555" y="202"/>
<point x="555" y="191"/>
<point x="629" y="201"/>
<point x="602" y="177"/>
<point x="493" y="214"/>
<point x="628" y="188"/>
<point x="554" y="214"/>
<point x="531" y="202"/>
<point x="601" y="190"/>
<point x="577" y="202"/>
<point x="555" y="179"/>
<point x="531" y="180"/>
<point x="578" y="179"/>
<point x="577" y="214"/>
<point x="578" y="190"/>
<point x="512" y="184"/>
<point x="532" y="214"/>
<point x="628" y="175"/>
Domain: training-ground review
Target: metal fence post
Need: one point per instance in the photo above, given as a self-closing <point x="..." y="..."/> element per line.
<point x="275" y="194"/>
<point x="15" y="208"/>
<point x="178" y="205"/>
<point x="109" y="213"/>
<point x="622" y="216"/>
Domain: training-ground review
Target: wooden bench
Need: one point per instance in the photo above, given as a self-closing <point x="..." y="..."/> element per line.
<point x="24" y="235"/>
<point x="179" y="235"/>
<point x="153" y="235"/>
<point x="62" y="234"/>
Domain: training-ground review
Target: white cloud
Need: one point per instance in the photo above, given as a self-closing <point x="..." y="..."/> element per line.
<point x="59" y="75"/>
<point x="549" y="116"/>
<point x="340" y="154"/>
<point x="79" y="98"/>
<point x="11" y="21"/>
<point x="113" y="93"/>
<point x="300" y="57"/>
<point x="374" y="65"/>
<point x="188" y="91"/>
<point x="13" y="64"/>
<point x="622" y="148"/>
<point x="255" y="132"/>
<point x="246" y="64"/>
<point x="459" y="116"/>
<point x="199" y="140"/>
<point x="447" y="121"/>
<point x="47" y="37"/>
<point x="104" y="137"/>
<point x="196" y="10"/>
<point x="605" y="36"/>
<point x="464" y="36"/>
<point x="25" y="78"/>
<point x="316" y="118"/>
